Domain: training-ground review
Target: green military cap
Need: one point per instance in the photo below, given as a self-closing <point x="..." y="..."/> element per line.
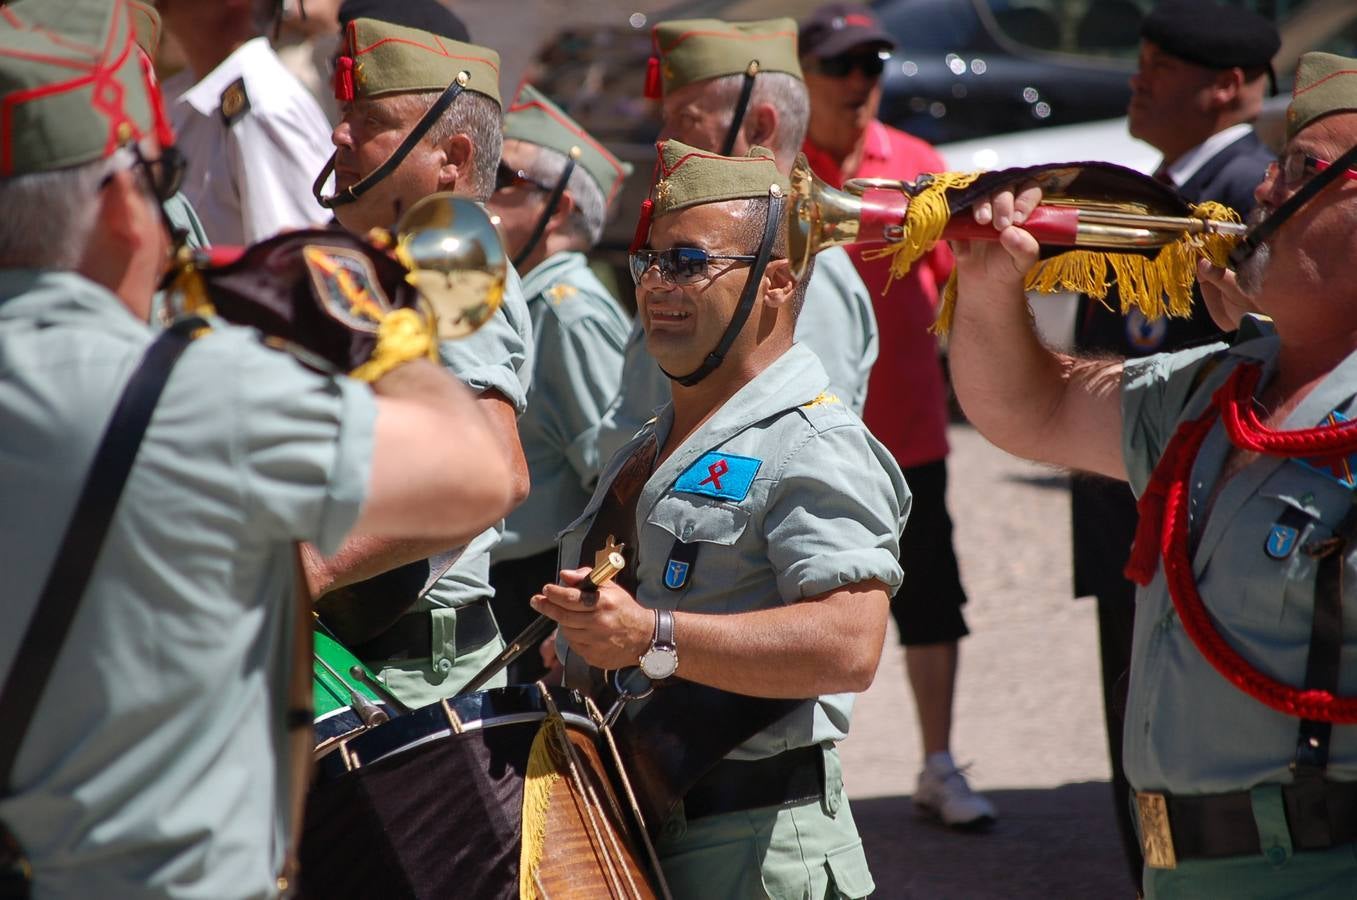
<point x="145" y="25"/>
<point x="692" y="50"/>
<point x="691" y="177"/>
<point x="381" y="58"/>
<point x="534" y="119"/>
<point x="72" y="85"/>
<point x="1325" y="83"/>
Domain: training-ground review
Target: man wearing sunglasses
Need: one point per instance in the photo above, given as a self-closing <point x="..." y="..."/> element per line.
<point x="1202" y="74"/>
<point x="151" y="758"/>
<point x="724" y="87"/>
<point x="1238" y="733"/>
<point x="421" y="114"/>
<point x="759" y="518"/>
<point x="553" y="194"/>
<point x="843" y="49"/>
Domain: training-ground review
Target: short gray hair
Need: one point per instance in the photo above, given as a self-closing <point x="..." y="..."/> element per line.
<point x="749" y="219"/>
<point x="474" y="115"/>
<point x="784" y="92"/>
<point x="61" y="207"/>
<point x="585" y="224"/>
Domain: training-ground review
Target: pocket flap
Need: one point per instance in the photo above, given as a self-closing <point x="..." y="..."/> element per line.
<point x="848" y="868"/>
<point x="691" y="519"/>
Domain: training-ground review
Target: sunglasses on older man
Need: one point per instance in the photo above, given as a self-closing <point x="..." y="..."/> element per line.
<point x="1297" y="165"/>
<point x="507" y="177"/>
<point x="678" y="265"/>
<point x="870" y="63"/>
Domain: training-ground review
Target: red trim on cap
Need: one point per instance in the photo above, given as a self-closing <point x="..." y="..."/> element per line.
<point x="666" y="171"/>
<point x="736" y="35"/>
<point x="574" y="128"/>
<point x="439" y="51"/>
<point x="860" y="20"/>
<point x="10" y="17"/>
<point x="107" y="94"/>
<point x="342" y="80"/>
<point x="164" y="133"/>
<point x="642" y="233"/>
<point x="1309" y="87"/>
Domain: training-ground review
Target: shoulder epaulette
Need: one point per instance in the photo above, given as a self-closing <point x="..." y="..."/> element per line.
<point x="235" y="103"/>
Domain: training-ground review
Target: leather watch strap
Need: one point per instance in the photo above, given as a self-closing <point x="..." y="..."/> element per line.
<point x="664" y="629"/>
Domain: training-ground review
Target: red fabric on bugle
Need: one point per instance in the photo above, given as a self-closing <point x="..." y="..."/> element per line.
<point x="1057" y="226"/>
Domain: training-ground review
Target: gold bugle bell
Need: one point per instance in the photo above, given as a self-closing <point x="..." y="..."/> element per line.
<point x="456" y="261"/>
<point x="869" y="210"/>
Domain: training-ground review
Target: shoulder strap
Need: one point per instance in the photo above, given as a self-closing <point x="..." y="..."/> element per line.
<point x="84" y="536"/>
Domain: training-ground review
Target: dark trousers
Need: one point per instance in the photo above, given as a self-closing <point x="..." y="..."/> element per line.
<point x="1116" y="618"/>
<point x="515" y="581"/>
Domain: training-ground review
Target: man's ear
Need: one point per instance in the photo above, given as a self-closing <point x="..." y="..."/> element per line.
<point x="781" y="284"/>
<point x="458" y="155"/>
<point x="565" y="208"/>
<point x="1225" y="87"/>
<point x="760" y="125"/>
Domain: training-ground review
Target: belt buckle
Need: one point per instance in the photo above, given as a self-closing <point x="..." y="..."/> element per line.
<point x="1156" y="837"/>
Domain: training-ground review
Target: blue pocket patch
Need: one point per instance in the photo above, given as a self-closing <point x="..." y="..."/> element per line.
<point x="676" y="575"/>
<point x="1281" y="540"/>
<point x="721" y="475"/>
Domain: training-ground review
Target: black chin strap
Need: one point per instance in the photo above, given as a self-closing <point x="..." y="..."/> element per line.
<point x="552" y="202"/>
<point x="741" y="107"/>
<point x="746" y="305"/>
<point x="1265" y="229"/>
<point x="361" y="187"/>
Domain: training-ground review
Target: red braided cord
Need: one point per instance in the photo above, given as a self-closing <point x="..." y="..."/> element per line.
<point x="1247" y="432"/>
<point x="1170" y="478"/>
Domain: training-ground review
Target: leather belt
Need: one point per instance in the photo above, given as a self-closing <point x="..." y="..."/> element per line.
<point x="733" y="785"/>
<point x="1211" y="826"/>
<point x="411" y="637"/>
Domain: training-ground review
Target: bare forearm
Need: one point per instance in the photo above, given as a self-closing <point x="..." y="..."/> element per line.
<point x="362" y="558"/>
<point x="824" y="646"/>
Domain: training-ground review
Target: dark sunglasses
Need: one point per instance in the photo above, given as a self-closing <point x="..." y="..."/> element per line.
<point x="1297" y="166"/>
<point x="871" y="64"/>
<point x="677" y="265"/>
<point x="506" y="177"/>
<point x="164" y="176"/>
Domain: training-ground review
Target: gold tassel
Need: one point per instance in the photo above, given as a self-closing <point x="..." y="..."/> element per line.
<point x="403" y="335"/>
<point x="544" y="770"/>
<point x="925" y="218"/>
<point x="1157" y="286"/>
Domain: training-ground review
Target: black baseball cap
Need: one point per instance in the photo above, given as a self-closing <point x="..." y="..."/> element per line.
<point x="1211" y="34"/>
<point x="838" y="27"/>
<point x="426" y="15"/>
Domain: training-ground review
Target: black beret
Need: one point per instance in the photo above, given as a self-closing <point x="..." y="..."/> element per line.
<point x="426" y="15"/>
<point x="1211" y="34"/>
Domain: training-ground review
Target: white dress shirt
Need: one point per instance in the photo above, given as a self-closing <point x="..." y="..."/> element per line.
<point x="251" y="177"/>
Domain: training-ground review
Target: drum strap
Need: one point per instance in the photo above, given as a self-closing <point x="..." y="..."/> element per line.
<point x="74" y="563"/>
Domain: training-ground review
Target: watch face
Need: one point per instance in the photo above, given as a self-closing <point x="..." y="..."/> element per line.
<point x="659" y="663"/>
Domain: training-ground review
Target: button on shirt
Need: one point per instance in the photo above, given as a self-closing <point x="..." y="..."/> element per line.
<point x="906" y="400"/>
<point x="579" y="330"/>
<point x="837" y="322"/>
<point x="251" y="178"/>
<point x="1188" y="730"/>
<point x="808" y="502"/>
<point x="156" y="764"/>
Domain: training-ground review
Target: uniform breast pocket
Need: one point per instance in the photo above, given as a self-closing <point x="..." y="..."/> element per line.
<point x="1262" y="572"/>
<point x="706" y="542"/>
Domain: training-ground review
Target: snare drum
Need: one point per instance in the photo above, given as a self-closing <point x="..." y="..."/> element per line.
<point x="333" y="684"/>
<point x="431" y="804"/>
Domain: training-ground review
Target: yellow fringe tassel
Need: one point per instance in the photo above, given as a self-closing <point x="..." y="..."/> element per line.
<point x="403" y="335"/>
<point x="1158" y="286"/>
<point x="925" y="218"/>
<point x="545" y="762"/>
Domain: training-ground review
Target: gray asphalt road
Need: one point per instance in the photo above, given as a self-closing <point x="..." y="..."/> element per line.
<point x="1028" y="711"/>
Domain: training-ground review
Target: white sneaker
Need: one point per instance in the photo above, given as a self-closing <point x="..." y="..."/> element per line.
<point x="944" y="794"/>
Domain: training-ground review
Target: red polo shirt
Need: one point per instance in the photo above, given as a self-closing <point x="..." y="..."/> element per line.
<point x="906" y="398"/>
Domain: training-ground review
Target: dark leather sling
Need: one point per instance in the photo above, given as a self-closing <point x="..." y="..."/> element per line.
<point x="71" y="570"/>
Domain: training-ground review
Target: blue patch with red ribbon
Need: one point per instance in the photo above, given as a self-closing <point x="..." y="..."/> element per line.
<point x="1339" y="468"/>
<point x="721" y="475"/>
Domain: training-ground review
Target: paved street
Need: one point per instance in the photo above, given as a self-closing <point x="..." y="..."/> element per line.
<point x="1028" y="711"/>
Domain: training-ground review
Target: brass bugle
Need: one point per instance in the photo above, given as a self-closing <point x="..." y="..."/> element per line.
<point x="873" y="211"/>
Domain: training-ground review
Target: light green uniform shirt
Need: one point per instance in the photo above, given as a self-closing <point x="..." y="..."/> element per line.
<point x="1188" y="730"/>
<point x="580" y="331"/>
<point x="156" y="764"/>
<point x="823" y="510"/>
<point x="836" y="321"/>
<point x="499" y="356"/>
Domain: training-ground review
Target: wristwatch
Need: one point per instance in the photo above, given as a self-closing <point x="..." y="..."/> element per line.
<point x="661" y="660"/>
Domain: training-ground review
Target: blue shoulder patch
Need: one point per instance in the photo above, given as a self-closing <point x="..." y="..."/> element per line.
<point x="721" y="475"/>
